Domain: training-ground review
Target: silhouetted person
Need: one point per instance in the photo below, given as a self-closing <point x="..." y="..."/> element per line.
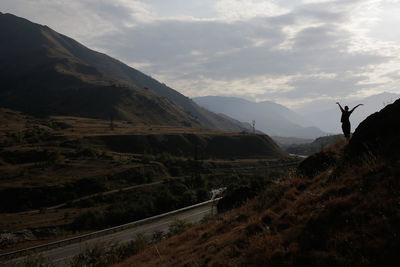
<point x="345" y="119"/>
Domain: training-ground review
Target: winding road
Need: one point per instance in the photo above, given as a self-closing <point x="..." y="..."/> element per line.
<point x="62" y="256"/>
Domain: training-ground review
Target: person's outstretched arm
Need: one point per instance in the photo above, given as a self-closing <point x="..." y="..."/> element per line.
<point x="355" y="107"/>
<point x="341" y="109"/>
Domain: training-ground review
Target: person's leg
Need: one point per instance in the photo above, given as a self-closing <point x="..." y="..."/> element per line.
<point x="346" y="129"/>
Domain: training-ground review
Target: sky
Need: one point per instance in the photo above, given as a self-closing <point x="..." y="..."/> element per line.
<point x="293" y="52"/>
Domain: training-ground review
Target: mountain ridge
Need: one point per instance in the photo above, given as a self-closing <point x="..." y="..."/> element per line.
<point x="271" y="118"/>
<point x="45" y="72"/>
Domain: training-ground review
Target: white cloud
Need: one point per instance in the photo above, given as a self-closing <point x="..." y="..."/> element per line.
<point x="316" y="1"/>
<point x="84" y="20"/>
<point x="232" y="10"/>
<point x="282" y="50"/>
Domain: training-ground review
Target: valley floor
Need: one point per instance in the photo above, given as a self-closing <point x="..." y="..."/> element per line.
<point x="69" y="175"/>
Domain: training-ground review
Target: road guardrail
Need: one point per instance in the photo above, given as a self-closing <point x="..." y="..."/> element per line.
<point x="78" y="239"/>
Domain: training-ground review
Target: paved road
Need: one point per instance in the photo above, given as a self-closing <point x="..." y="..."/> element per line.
<point x="61" y="256"/>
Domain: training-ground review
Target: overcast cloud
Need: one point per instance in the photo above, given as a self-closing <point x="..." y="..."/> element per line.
<point x="292" y="52"/>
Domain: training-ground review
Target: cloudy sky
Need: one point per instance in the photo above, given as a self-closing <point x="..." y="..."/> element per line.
<point x="288" y="51"/>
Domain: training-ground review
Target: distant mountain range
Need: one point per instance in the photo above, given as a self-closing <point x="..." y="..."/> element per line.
<point x="328" y="119"/>
<point x="271" y="118"/>
<point x="47" y="73"/>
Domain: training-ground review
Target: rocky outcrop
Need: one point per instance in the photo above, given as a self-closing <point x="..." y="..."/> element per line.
<point x="317" y="163"/>
<point x="377" y="135"/>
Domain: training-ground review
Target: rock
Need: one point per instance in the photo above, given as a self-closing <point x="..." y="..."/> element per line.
<point x="317" y="163"/>
<point x="377" y="135"/>
<point x="235" y="198"/>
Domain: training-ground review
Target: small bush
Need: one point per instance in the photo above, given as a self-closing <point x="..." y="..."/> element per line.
<point x="157" y="236"/>
<point x="36" y="260"/>
<point x="28" y="156"/>
<point x="179" y="226"/>
<point x="87" y="152"/>
<point x="106" y="254"/>
<point x="147" y="158"/>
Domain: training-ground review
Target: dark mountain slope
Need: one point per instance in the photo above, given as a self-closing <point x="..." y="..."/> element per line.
<point x="38" y="74"/>
<point x="125" y="73"/>
<point x="58" y="44"/>
<point x="232" y="146"/>
<point x="315" y="146"/>
<point x="347" y="214"/>
<point x="45" y="72"/>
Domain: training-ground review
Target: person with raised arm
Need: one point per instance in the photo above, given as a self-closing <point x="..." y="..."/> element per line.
<point x="345" y="119"/>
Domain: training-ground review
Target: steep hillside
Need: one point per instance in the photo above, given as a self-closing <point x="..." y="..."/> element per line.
<point x="313" y="147"/>
<point x="202" y="146"/>
<point x="44" y="72"/>
<point x="130" y="75"/>
<point x="271" y="118"/>
<point x="345" y="212"/>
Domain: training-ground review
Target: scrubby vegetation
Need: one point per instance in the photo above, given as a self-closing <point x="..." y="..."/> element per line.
<point x="126" y="207"/>
<point x="73" y="174"/>
<point x="343" y="213"/>
<point x="106" y="254"/>
<point x="315" y="146"/>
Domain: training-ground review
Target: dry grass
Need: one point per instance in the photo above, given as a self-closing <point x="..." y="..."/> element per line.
<point x="67" y="137"/>
<point x="327" y="220"/>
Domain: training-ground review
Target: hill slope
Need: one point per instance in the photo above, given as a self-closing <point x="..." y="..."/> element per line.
<point x="271" y="118"/>
<point x="378" y="135"/>
<point x="344" y="214"/>
<point x="313" y="147"/>
<point x="44" y="72"/>
<point x="130" y="75"/>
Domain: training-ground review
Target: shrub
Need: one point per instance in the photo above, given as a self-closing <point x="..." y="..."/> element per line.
<point x="93" y="256"/>
<point x="106" y="254"/>
<point x="146" y="158"/>
<point x="179" y="226"/>
<point x="36" y="260"/>
<point x="157" y="236"/>
<point x="87" y="152"/>
<point x="202" y="194"/>
<point x="28" y="156"/>
<point x="188" y="197"/>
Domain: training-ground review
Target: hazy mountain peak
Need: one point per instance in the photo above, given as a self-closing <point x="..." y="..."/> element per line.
<point x="271" y="118"/>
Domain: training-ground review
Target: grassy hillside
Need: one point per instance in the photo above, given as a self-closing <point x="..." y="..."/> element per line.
<point x="340" y="209"/>
<point x="40" y="75"/>
<point x="312" y="147"/>
<point x="126" y="171"/>
<point x="121" y="71"/>
<point x="44" y="72"/>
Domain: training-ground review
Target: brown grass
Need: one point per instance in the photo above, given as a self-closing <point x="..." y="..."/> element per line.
<point x="77" y="133"/>
<point x="328" y="220"/>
